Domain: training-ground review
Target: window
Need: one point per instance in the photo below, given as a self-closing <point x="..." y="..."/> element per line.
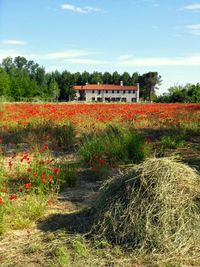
<point x="106" y="91"/>
<point x="129" y="91"/>
<point x="99" y="92"/>
<point x="93" y="91"/>
<point x="133" y="92"/>
<point x="124" y="92"/>
<point x="133" y="100"/>
<point x="118" y="91"/>
<point x="113" y="91"/>
<point x="93" y="98"/>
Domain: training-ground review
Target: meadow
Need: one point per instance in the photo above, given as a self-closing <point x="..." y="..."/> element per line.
<point x="56" y="161"/>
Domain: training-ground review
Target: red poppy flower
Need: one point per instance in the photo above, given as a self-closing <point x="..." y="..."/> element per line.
<point x="56" y="170"/>
<point x="27" y="185"/>
<point x="13" y="196"/>
<point x="1" y="200"/>
<point x="50" y="178"/>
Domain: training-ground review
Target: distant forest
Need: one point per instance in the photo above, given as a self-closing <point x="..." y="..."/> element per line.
<point x="25" y="80"/>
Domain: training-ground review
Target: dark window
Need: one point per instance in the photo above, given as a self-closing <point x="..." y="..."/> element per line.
<point x="133" y="100"/>
<point x="124" y="92"/>
<point x="129" y="92"/>
<point x="106" y="91"/>
<point x="113" y="91"/>
<point x="93" y="91"/>
<point x="118" y="91"/>
<point x="99" y="92"/>
<point x="93" y="98"/>
<point x="133" y="92"/>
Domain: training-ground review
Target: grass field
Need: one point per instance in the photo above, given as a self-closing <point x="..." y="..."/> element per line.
<point x="55" y="157"/>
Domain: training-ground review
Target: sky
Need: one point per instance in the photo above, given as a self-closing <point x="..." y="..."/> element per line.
<point x="106" y="35"/>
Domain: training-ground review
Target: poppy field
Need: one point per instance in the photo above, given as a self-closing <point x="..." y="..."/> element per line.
<point x="48" y="150"/>
<point x="139" y="115"/>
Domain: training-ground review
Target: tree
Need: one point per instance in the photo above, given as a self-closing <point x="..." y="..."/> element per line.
<point x="4" y="83"/>
<point x="148" y="84"/>
<point x="125" y="77"/>
<point x="7" y="64"/>
<point x="188" y="93"/>
<point x="53" y="89"/>
<point x="85" y="77"/>
<point x="77" y="78"/>
<point x="116" y="78"/>
<point x="194" y="93"/>
<point x="107" y="78"/>
<point x="20" y="62"/>
<point x="96" y="77"/>
<point x="134" y="78"/>
<point x="66" y="86"/>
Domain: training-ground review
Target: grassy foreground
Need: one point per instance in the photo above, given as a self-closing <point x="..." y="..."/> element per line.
<point x="50" y="177"/>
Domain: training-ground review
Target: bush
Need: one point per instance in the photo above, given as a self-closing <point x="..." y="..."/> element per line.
<point x="152" y="206"/>
<point x="65" y="135"/>
<point x="115" y="144"/>
<point x="172" y="141"/>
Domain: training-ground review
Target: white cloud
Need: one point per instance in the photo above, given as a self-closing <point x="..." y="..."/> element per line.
<point x="161" y="61"/>
<point x="67" y="54"/>
<point x="125" y="57"/>
<point x="193" y="7"/>
<point x="83" y="10"/>
<point x="13" y="42"/>
<point x="58" y="55"/>
<point x="194" y="29"/>
<point x="86" y="61"/>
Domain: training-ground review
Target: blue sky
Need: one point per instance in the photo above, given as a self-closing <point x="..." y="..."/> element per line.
<point x="102" y="35"/>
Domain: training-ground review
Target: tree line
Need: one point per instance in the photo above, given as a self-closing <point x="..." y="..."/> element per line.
<point x="22" y="79"/>
<point x="189" y="93"/>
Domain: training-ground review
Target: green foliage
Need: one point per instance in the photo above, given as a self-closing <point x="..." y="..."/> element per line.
<point x="65" y="135"/>
<point x="24" y="79"/>
<point x="189" y="93"/>
<point x="80" y="247"/>
<point x="148" y="83"/>
<point x="21" y="213"/>
<point x="114" y="144"/>
<point x="4" y="83"/>
<point x="172" y="141"/>
<point x="62" y="256"/>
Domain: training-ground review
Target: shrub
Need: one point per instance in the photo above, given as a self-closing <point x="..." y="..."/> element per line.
<point x="172" y="141"/>
<point x="65" y="135"/>
<point x="115" y="144"/>
<point x="152" y="206"/>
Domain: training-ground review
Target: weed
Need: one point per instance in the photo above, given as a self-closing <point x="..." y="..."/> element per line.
<point x="62" y="256"/>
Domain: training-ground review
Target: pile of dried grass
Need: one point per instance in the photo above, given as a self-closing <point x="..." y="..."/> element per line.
<point x="154" y="206"/>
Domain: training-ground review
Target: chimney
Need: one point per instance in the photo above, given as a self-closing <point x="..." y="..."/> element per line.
<point x="86" y="83"/>
<point x="121" y="83"/>
<point x="98" y="83"/>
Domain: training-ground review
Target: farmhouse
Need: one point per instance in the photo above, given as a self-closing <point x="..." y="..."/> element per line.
<point x="107" y="93"/>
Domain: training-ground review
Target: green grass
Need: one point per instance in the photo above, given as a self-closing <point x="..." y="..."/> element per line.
<point x="115" y="144"/>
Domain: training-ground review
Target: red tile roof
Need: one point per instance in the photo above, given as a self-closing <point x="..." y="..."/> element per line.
<point x="105" y="87"/>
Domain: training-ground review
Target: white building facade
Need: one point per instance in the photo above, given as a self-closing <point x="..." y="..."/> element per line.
<point x="107" y="93"/>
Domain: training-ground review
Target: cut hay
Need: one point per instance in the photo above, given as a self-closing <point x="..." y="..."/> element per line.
<point x="154" y="206"/>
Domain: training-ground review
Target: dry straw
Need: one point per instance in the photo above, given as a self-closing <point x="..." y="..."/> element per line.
<point x="153" y="206"/>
